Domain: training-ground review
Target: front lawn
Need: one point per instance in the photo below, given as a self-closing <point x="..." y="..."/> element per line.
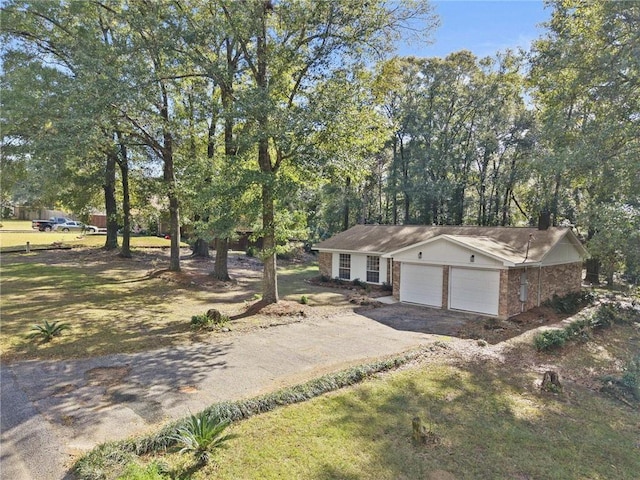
<point x="15" y="241"/>
<point x="127" y="305"/>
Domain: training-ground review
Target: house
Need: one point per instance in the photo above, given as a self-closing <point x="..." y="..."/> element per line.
<point x="497" y="271"/>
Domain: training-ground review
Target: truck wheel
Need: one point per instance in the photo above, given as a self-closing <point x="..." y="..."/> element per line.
<point x="65" y="229"/>
<point x="47" y="229"/>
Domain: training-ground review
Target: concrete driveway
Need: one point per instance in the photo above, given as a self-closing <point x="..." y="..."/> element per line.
<point x="51" y="411"/>
<point x="415" y="318"/>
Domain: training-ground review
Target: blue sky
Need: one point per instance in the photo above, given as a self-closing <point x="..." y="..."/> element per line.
<point x="483" y="27"/>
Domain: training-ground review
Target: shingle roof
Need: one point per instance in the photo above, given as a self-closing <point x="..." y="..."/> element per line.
<point x="506" y="242"/>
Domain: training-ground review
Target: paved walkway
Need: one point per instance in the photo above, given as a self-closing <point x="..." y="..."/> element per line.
<point x="51" y="411"/>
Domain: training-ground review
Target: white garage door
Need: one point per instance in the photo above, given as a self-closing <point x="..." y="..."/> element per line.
<point x="421" y="284"/>
<point x="474" y="290"/>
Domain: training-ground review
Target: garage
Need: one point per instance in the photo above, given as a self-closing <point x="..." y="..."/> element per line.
<point x="421" y="284"/>
<point x="474" y="290"/>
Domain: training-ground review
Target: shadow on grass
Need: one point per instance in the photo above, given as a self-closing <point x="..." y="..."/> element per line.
<point x="490" y="424"/>
<point x="111" y="309"/>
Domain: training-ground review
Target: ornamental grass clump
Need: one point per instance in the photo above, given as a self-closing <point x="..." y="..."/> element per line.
<point x="201" y="434"/>
<point x="47" y="330"/>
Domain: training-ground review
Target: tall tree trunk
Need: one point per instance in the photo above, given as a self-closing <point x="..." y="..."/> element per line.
<point x="111" y="205"/>
<point x="405" y="184"/>
<point x="270" y="279"/>
<point x="593" y="271"/>
<point x="174" y="215"/>
<point x="170" y="180"/>
<point x="345" y="211"/>
<point x="394" y="185"/>
<point x="201" y="248"/>
<point x="123" y="162"/>
<point x="221" y="271"/>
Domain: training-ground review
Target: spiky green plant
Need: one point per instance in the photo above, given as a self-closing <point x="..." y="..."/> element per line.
<point x="47" y="330"/>
<point x="201" y="434"/>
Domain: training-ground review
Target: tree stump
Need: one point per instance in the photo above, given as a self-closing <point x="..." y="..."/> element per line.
<point x="421" y="434"/>
<point x="214" y="315"/>
<point x="551" y="382"/>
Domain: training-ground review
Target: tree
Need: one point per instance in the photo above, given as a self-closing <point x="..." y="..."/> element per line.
<point x="585" y="74"/>
<point x="288" y="47"/>
<point x="72" y="43"/>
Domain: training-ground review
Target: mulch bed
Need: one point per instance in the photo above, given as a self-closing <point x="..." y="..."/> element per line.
<point x="495" y="331"/>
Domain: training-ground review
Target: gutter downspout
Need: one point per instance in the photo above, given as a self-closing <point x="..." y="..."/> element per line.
<point x="539" y="283"/>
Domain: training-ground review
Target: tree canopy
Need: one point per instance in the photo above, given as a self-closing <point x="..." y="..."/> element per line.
<point x="293" y="116"/>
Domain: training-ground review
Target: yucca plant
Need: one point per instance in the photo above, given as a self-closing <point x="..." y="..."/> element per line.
<point x="201" y="434"/>
<point x="47" y="330"/>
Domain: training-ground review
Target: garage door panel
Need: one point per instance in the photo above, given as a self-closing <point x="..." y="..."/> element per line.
<point x="474" y="290"/>
<point x="421" y="284"/>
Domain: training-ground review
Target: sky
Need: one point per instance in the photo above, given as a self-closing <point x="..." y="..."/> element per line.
<point x="481" y="26"/>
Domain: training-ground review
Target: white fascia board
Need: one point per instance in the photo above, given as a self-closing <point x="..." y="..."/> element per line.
<point x="341" y="250"/>
<point x="505" y="262"/>
<point x="415" y="245"/>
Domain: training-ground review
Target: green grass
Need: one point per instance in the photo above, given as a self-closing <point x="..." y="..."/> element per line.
<point x="15" y="225"/>
<point x="16" y="241"/>
<point x="108" y="309"/>
<point x="116" y="305"/>
<point x="490" y="419"/>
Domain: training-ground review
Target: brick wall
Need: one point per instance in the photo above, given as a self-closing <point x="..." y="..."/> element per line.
<point x="560" y="279"/>
<point x="445" y="286"/>
<point x="554" y="279"/>
<point x="503" y="298"/>
<point x="325" y="263"/>
<point x="396" y="280"/>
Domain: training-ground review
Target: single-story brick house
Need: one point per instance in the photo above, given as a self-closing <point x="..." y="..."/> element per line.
<point x="497" y="271"/>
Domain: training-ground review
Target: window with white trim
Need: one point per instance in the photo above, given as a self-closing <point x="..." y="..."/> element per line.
<point x="373" y="269"/>
<point x="344" y="268"/>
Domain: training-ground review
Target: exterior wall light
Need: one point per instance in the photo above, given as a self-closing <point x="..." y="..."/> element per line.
<point x="419" y="254"/>
<point x="472" y="259"/>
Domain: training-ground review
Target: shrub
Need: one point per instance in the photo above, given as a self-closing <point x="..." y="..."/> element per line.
<point x="200" y="321"/>
<point x="252" y="251"/>
<point x="47" y="330"/>
<point x="628" y="385"/>
<point x="571" y="302"/>
<point x="492" y="323"/>
<point x="201" y="434"/>
<point x="210" y="320"/>
<point x="580" y="329"/>
<point x="549" y="340"/>
<point x="387" y="287"/>
<point x="631" y="377"/>
<point x="304" y="300"/>
<point x="605" y="316"/>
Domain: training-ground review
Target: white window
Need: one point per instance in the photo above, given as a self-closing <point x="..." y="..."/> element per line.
<point x="344" y="270"/>
<point x="373" y="269"/>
